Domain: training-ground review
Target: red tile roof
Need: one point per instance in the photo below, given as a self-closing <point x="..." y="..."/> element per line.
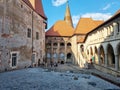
<point x="60" y="28"/>
<point x="37" y="6"/>
<point x="85" y="25"/>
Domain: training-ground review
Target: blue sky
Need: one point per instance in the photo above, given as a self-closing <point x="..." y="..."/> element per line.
<point x="97" y="9"/>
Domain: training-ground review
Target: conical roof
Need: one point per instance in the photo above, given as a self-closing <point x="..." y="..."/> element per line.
<point x="67" y="17"/>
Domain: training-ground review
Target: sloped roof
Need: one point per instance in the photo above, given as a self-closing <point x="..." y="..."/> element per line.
<point x="37" y="6"/>
<point x="118" y="12"/>
<point x="60" y="28"/>
<point x="85" y="25"/>
<point x="98" y="22"/>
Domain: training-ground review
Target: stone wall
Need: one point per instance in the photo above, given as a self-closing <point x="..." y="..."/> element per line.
<point x="15" y="20"/>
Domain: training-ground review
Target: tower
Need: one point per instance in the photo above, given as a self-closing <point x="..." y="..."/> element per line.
<point x="67" y="17"/>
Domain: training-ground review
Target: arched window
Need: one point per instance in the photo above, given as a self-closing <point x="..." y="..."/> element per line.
<point x="102" y="55"/>
<point x="111" y="56"/>
<point x="82" y="48"/>
<point x="48" y="55"/>
<point x="55" y="55"/>
<point x="54" y="44"/>
<point x="62" y="56"/>
<point x="62" y="44"/>
<point x="69" y="55"/>
<point x="48" y="45"/>
<point x="68" y="44"/>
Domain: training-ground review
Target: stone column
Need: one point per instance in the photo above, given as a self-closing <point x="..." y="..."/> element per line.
<point x="108" y="29"/>
<point x="115" y="28"/>
<point x="116" y="62"/>
<point x="99" y="57"/>
<point x="106" y="59"/>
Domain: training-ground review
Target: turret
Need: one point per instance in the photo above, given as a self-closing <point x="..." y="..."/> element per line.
<point x="67" y="17"/>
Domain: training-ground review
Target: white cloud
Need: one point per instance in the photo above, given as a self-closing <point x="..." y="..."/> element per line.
<point x="94" y="16"/>
<point x="75" y="19"/>
<point x="107" y="7"/>
<point x="98" y="16"/>
<point x="58" y="2"/>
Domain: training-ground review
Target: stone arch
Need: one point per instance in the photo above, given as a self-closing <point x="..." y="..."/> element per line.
<point x="69" y="57"/>
<point x="48" y="44"/>
<point x="82" y="48"/>
<point x="55" y="55"/>
<point x="54" y="44"/>
<point x="62" y="57"/>
<point x="111" y="56"/>
<point x="96" y="55"/>
<point x="102" y="55"/>
<point x="69" y="44"/>
<point x="62" y="44"/>
<point x="48" y="55"/>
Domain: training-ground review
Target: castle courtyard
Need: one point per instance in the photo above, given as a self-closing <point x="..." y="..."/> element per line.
<point x="49" y="79"/>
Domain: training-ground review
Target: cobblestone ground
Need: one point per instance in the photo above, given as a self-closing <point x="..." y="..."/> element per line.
<point x="47" y="79"/>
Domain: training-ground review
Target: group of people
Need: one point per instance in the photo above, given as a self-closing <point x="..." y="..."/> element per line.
<point x="55" y="64"/>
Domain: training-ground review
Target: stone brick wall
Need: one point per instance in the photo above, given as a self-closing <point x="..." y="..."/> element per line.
<point x="15" y="20"/>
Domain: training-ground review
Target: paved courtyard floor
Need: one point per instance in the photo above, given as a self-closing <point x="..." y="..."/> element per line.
<point x="45" y="79"/>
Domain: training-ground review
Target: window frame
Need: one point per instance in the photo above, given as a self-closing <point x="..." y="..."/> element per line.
<point x="16" y="62"/>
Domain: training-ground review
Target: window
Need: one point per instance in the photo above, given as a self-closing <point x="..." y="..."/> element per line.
<point x="29" y="33"/>
<point x="62" y="44"/>
<point x="68" y="44"/>
<point x="13" y="59"/>
<point x="54" y="44"/>
<point x="37" y="35"/>
<point x="21" y="6"/>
